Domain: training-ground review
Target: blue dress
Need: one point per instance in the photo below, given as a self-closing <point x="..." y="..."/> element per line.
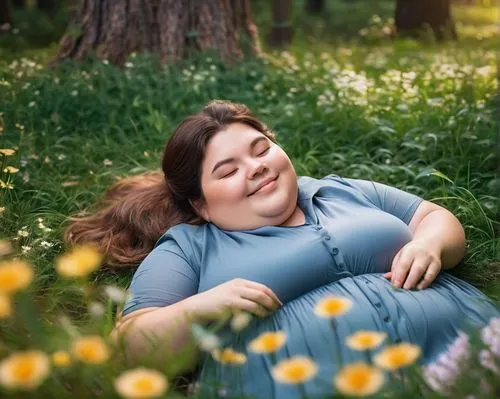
<point x="353" y="230"/>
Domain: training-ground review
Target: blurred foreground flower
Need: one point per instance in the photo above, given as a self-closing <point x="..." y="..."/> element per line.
<point x="364" y="340"/>
<point x="61" y="358"/>
<point x="141" y="383"/>
<point x="79" y="262"/>
<point x="15" y="275"/>
<point x="5" y="247"/>
<point x="11" y="170"/>
<point x="229" y="356"/>
<point x="359" y="379"/>
<point x="240" y="321"/>
<point x="7" y="152"/>
<point x="91" y="349"/>
<point x="491" y="336"/>
<point x="394" y="357"/>
<point x="268" y="342"/>
<point x="5" y="306"/>
<point x="24" y="370"/>
<point x="295" y="370"/>
<point x="332" y="306"/>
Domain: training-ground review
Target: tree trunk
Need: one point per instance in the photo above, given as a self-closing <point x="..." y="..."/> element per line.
<point x="18" y="3"/>
<point x="112" y="29"/>
<point x="5" y="18"/>
<point x="315" y="6"/>
<point x="47" y="5"/>
<point x="281" y="32"/>
<point x="412" y="16"/>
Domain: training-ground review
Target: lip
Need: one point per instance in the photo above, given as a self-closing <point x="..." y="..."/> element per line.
<point x="264" y="183"/>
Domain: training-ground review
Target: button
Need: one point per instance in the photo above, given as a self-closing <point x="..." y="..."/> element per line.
<point x="317" y="228"/>
<point x="386" y="319"/>
<point x="327" y="238"/>
<point x="378" y="304"/>
<point x="335" y="251"/>
<point x="397" y="340"/>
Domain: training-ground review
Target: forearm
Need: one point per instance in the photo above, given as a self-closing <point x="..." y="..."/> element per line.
<point x="444" y="235"/>
<point x="169" y="327"/>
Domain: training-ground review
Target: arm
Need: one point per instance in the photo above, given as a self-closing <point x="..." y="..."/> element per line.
<point x="438" y="243"/>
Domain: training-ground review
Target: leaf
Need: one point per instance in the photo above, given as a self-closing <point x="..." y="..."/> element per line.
<point x="434" y="172"/>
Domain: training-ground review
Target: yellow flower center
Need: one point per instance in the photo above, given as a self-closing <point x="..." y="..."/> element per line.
<point x="296" y="372"/>
<point x="333" y="306"/>
<point x="143" y="385"/>
<point x="23" y="369"/>
<point x="358" y="379"/>
<point x="7" y="279"/>
<point x="398" y="358"/>
<point x="269" y="342"/>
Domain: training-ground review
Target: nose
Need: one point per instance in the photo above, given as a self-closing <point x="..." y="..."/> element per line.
<point x="257" y="167"/>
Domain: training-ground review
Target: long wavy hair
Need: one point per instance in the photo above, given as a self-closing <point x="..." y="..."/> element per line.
<point x="135" y="211"/>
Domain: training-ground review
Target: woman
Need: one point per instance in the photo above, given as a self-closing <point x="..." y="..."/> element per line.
<point x="233" y="228"/>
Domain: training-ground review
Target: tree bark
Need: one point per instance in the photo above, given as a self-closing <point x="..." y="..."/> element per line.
<point x="47" y="5"/>
<point x="112" y="29"/>
<point x="412" y="16"/>
<point x="5" y="18"/>
<point x="315" y="6"/>
<point x="18" y="3"/>
<point x="281" y="32"/>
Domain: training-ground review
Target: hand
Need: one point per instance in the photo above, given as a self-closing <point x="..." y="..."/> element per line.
<point x="236" y="294"/>
<point x="415" y="263"/>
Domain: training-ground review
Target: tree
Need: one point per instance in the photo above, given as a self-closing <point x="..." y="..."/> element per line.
<point x="112" y="29"/>
<point x="281" y="32"/>
<point x="315" y="6"/>
<point x="412" y="16"/>
<point x="5" y="18"/>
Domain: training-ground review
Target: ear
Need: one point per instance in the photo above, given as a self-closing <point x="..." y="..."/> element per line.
<point x="200" y="207"/>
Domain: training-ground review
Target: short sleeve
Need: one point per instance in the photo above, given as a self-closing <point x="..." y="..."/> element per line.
<point x="163" y="278"/>
<point x="390" y="199"/>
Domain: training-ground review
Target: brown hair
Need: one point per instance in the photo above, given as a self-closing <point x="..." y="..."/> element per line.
<point x="137" y="210"/>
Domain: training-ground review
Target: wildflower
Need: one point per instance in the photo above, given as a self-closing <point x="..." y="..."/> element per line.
<point x="23" y="233"/>
<point x="394" y="357"/>
<point x="332" y="306"/>
<point x="442" y="374"/>
<point x="268" y="342"/>
<point x="15" y="275"/>
<point x="107" y="162"/>
<point x="229" y="356"/>
<point x="295" y="370"/>
<point x="91" y="349"/>
<point x="491" y="335"/>
<point x="5" y="247"/>
<point x="487" y="360"/>
<point x="61" y="358"/>
<point x="141" y="383"/>
<point x="25" y="249"/>
<point x="74" y="93"/>
<point x="31" y="104"/>
<point x="240" y="321"/>
<point x="46" y="244"/>
<point x="209" y="342"/>
<point x="24" y="370"/>
<point x="11" y="170"/>
<point x="7" y="152"/>
<point x="5" y="306"/>
<point x="116" y="294"/>
<point x="80" y="262"/>
<point x="2" y="209"/>
<point x="359" y="379"/>
<point x="363" y="340"/>
<point x="96" y="309"/>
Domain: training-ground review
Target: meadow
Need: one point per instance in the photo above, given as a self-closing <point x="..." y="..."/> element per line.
<point x="420" y="116"/>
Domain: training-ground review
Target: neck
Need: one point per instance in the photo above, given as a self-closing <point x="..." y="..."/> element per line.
<point x="297" y="218"/>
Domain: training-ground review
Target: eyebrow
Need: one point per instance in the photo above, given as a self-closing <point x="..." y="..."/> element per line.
<point x="228" y="160"/>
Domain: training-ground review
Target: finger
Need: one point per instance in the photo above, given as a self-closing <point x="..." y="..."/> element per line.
<point x="401" y="269"/>
<point x="417" y="270"/>
<point x="251" y="307"/>
<point x="393" y="265"/>
<point x="388" y="275"/>
<point x="260" y="297"/>
<point x="429" y="276"/>
<point x="264" y="288"/>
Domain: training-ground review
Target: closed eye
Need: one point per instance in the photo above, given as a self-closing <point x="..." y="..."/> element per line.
<point x="229" y="174"/>
<point x="263" y="152"/>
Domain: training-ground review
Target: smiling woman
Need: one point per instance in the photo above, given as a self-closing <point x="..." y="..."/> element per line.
<point x="229" y="226"/>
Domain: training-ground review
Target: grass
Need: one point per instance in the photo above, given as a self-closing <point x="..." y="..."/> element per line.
<point x="418" y="116"/>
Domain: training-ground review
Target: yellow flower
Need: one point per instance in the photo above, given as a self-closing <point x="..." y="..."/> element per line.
<point x="359" y="379"/>
<point x="141" y="383"/>
<point x="229" y="356"/>
<point x="396" y="356"/>
<point x="11" y="170"/>
<point x="80" y="262"/>
<point x="363" y="340"/>
<point x="5" y="306"/>
<point x="24" y="370"/>
<point x="7" y="152"/>
<point x="240" y="321"/>
<point x="268" y="342"/>
<point x="15" y="275"/>
<point x="295" y="370"/>
<point x="5" y="247"/>
<point x="91" y="349"/>
<point x="332" y="306"/>
<point x="61" y="358"/>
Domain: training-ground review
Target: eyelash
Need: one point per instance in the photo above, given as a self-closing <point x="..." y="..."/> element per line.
<point x="234" y="171"/>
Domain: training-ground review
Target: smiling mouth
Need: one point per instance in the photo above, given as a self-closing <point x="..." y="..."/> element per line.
<point x="269" y="182"/>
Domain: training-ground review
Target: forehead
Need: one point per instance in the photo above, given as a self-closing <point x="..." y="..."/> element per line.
<point x="228" y="142"/>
